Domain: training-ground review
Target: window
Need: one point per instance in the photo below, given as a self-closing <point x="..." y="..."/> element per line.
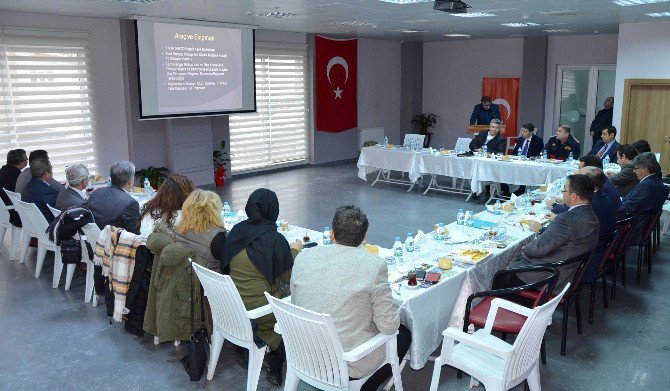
<point x="277" y="133"/>
<point x="45" y="96"/>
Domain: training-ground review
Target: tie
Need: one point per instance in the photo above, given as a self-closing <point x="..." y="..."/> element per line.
<point x="602" y="151"/>
<point x="524" y="151"/>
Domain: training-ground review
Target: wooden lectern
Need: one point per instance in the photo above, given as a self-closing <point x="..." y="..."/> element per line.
<point x="479" y="128"/>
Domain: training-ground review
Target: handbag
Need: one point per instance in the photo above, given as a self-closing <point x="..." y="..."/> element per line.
<point x="197" y="348"/>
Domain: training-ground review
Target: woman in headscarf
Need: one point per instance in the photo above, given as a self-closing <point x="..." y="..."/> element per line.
<point x="259" y="259"/>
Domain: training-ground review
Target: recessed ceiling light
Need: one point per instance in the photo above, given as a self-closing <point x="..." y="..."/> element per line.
<point x="658" y="14"/>
<point x="405" y="1"/>
<point x="525" y="24"/>
<point x="557" y="31"/>
<point x="357" y="23"/>
<point x="474" y="15"/>
<point x="409" y="31"/>
<point x="277" y="14"/>
<point x="456" y="35"/>
<point x="626" y="3"/>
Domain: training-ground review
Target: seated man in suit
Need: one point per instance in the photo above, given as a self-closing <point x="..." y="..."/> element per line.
<point x="642" y="146"/>
<point x="650" y="194"/>
<point x="530" y="145"/>
<point x="39" y="191"/>
<point x="570" y="234"/>
<point x="25" y="175"/>
<point x="484" y="112"/>
<point x="75" y="194"/>
<point x="113" y="205"/>
<point x="9" y="173"/>
<point x="624" y="180"/>
<point x="562" y="144"/>
<point x="607" y="146"/>
<point x="361" y="310"/>
<point x="607" y="188"/>
<point x="495" y="142"/>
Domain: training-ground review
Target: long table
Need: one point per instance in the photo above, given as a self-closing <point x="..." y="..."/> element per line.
<point x="478" y="170"/>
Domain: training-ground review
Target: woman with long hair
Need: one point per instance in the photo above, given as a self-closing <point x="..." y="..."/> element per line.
<point x="169" y="198"/>
<point x="259" y="259"/>
<point x="201" y="226"/>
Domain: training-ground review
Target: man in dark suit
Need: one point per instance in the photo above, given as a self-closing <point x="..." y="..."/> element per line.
<point x="603" y="119"/>
<point x="25" y="175"/>
<point x="495" y="142"/>
<point x="562" y="144"/>
<point x="16" y="161"/>
<point x="38" y="191"/>
<point x="624" y="180"/>
<point x="75" y="194"/>
<point x="607" y="146"/>
<point x="484" y="112"/>
<point x="650" y="194"/>
<point x="530" y="145"/>
<point x="570" y="234"/>
<point x="113" y="205"/>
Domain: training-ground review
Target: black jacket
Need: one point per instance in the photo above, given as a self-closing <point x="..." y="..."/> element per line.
<point x="559" y="151"/>
<point x="534" y="149"/>
<point x="8" y="175"/>
<point x="40" y="194"/>
<point x="495" y="145"/>
<point x="603" y="119"/>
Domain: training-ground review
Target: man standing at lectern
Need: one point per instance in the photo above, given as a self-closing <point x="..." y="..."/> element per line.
<point x="484" y="112"/>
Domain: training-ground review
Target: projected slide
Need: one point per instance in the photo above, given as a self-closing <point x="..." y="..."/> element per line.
<point x="190" y="69"/>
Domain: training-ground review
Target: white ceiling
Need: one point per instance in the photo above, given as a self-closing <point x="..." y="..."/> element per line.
<point x="385" y="19"/>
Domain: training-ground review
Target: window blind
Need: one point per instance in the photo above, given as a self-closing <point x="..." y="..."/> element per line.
<point x="277" y="132"/>
<point x="45" y="96"/>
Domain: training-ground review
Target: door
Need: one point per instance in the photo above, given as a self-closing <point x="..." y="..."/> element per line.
<point x="645" y="115"/>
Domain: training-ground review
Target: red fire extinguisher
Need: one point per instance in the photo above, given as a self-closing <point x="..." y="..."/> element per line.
<point x="220" y="175"/>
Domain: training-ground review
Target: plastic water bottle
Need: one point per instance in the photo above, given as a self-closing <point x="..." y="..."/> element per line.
<point x="386" y="141"/>
<point x="326" y="235"/>
<point x="460" y="217"/>
<point x="497" y="208"/>
<point x="440" y="232"/>
<point x="571" y="157"/>
<point x="606" y="160"/>
<point x="544" y="155"/>
<point x="398" y="249"/>
<point x="485" y="150"/>
<point x="470" y="218"/>
<point x="409" y="243"/>
<point x="147" y="186"/>
<point x="226" y="209"/>
<point x="519" y="153"/>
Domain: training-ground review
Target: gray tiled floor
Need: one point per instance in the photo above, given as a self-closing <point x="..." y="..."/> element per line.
<point x="51" y="340"/>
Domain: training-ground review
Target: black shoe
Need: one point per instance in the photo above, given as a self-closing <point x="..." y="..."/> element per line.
<point x="275" y="372"/>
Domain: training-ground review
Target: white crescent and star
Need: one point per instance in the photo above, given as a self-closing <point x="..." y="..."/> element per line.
<point x="504" y="102"/>
<point x="337" y="60"/>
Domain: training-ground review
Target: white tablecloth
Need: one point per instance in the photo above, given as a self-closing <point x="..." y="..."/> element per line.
<point x="516" y="172"/>
<point x="374" y="158"/>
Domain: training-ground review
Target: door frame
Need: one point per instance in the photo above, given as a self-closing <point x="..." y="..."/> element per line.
<point x="628" y="85"/>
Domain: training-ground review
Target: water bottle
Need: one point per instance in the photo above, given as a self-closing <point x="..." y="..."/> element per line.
<point x="519" y="153"/>
<point x="147" y="186"/>
<point x="398" y="249"/>
<point x="544" y="156"/>
<point x="460" y="217"/>
<point x="606" y="161"/>
<point x="440" y="232"/>
<point x="497" y="208"/>
<point x="326" y="235"/>
<point x="409" y="243"/>
<point x="386" y="141"/>
<point x="470" y="218"/>
<point x="571" y="157"/>
<point x="485" y="150"/>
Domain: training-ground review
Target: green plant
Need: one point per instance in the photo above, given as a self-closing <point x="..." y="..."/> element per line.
<point x="156" y="175"/>
<point x="220" y="156"/>
<point x="424" y="121"/>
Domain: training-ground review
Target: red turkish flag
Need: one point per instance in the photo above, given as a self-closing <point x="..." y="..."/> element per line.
<point x="335" y="74"/>
<point x="504" y="92"/>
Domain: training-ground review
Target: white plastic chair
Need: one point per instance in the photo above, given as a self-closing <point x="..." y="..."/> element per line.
<point x="315" y="355"/>
<point x="231" y="321"/>
<point x="27" y="231"/>
<point x="494" y="362"/>
<point x="39" y="225"/>
<point x="91" y="235"/>
<point x="15" y="231"/>
<point x="462" y="144"/>
<point x="417" y="138"/>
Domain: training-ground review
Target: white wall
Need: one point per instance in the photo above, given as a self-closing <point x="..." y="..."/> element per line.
<point x="452" y="79"/>
<point x="574" y="50"/>
<point x="379" y="89"/>
<point x="106" y="77"/>
<point x="644" y="53"/>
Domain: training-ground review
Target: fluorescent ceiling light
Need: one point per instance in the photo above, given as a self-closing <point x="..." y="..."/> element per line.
<point x="277" y="15"/>
<point x="526" y="24"/>
<point x="557" y="31"/>
<point x="626" y="3"/>
<point x="658" y="14"/>
<point x="357" y="23"/>
<point x="456" y="35"/>
<point x="409" y="31"/>
<point x="138" y="1"/>
<point x="405" y="1"/>
<point x="474" y="15"/>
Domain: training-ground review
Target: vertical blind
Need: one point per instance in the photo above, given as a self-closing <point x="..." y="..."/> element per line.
<point x="277" y="132"/>
<point x="45" y="96"/>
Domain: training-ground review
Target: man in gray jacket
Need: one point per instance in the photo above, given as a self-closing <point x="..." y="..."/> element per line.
<point x="113" y="205"/>
<point x="75" y="194"/>
<point x="350" y="284"/>
<point x="624" y="180"/>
